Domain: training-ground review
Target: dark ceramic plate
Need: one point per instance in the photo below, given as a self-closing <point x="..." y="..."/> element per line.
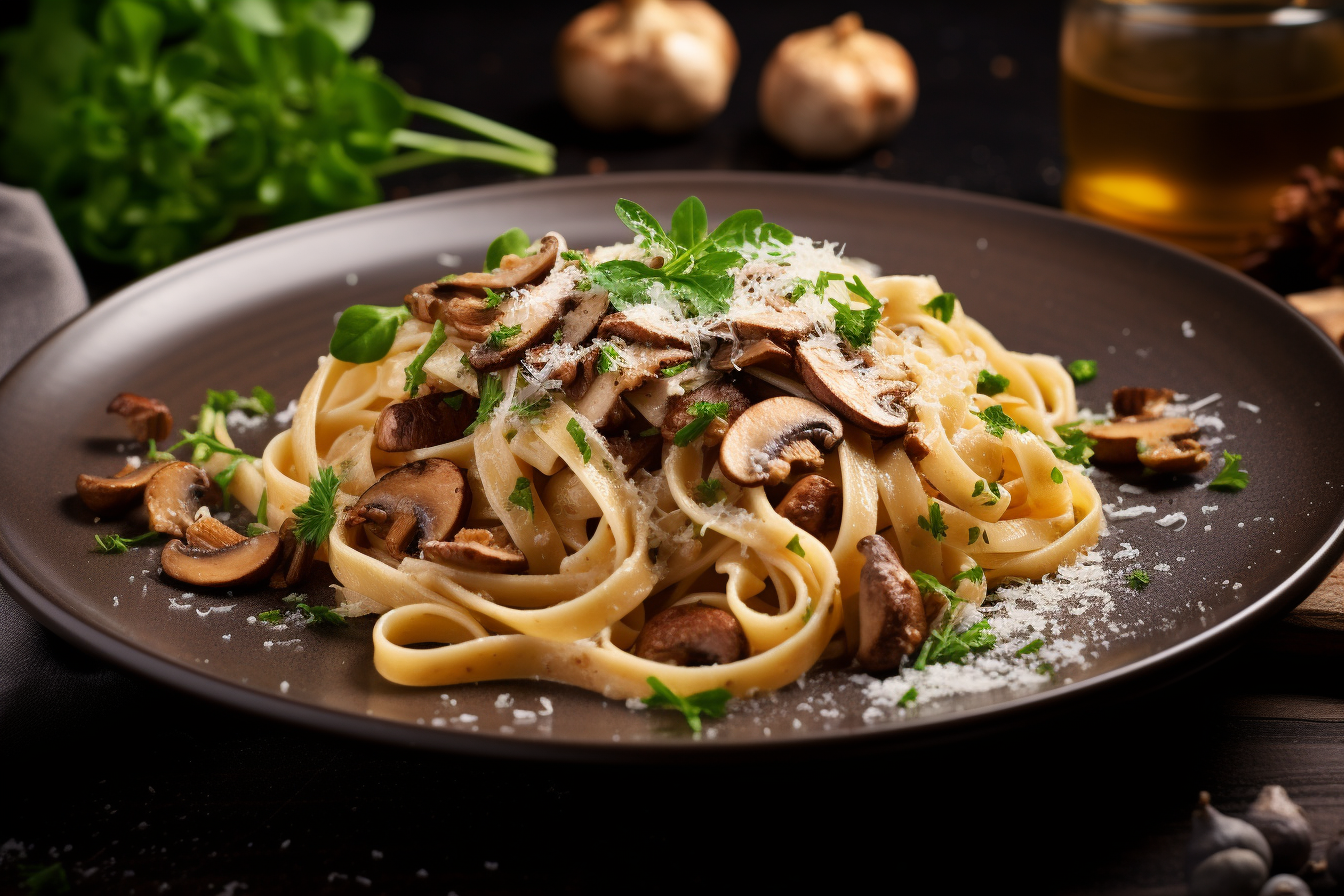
<point x="260" y="312"/>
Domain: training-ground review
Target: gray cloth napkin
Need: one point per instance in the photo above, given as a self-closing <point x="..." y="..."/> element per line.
<point x="47" y="688"/>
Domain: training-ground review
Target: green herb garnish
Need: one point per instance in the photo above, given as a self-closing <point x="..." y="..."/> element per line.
<point x="154" y="455"/>
<point x="974" y="574"/>
<point x="703" y="413"/>
<point x="365" y="333"/>
<point x="973" y="535"/>
<point x="1027" y="649"/>
<point x="502" y="334"/>
<point x="314" y="518"/>
<point x="856" y="327"/>
<point x="908" y="697"/>
<point x="928" y="583"/>
<point x="1138" y="579"/>
<point x="117" y="544"/>
<point x="492" y="393"/>
<point x="996" y="420"/>
<point x="521" y="496"/>
<point x="1077" y="447"/>
<point x="933" y="523"/>
<point x="415" y="371"/>
<point x="513" y="241"/>
<point x="313" y="614"/>
<point x="677" y="368"/>
<point x="575" y="430"/>
<point x="991" y="384"/>
<point x="262" y="508"/>
<point x="1056" y="477"/>
<point x="454" y="400"/>
<point x="1083" y="371"/>
<point x="492" y="298"/>
<point x="608" y="359"/>
<point x="796" y="545"/>
<point x="1231" y="478"/>
<point x="713" y="703"/>
<point x="710" y="491"/>
<point x="945" y="645"/>
<point x="533" y="408"/>
<point x="942" y="306"/>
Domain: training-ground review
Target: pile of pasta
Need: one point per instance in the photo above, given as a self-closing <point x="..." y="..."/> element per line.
<point x="608" y="548"/>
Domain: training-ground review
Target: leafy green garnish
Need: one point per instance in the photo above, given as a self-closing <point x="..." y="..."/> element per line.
<point x="856" y="327"/>
<point x="933" y="523"/>
<point x="223" y="401"/>
<point x="415" y="371"/>
<point x="314" y="518"/>
<point x="677" y="368"/>
<point x="908" y="697"/>
<point x="710" y="492"/>
<point x="796" y="545"/>
<point x="942" y="306"/>
<point x="262" y="508"/>
<point x="521" y="496"/>
<point x="157" y="128"/>
<point x="1231" y="478"/>
<point x="1083" y="371"/>
<point x="575" y="430"/>
<point x="155" y="456"/>
<point x="117" y="544"/>
<point x="991" y="383"/>
<point x="974" y="574"/>
<point x="651" y="431"/>
<point x="1138" y="579"/>
<point x="928" y="583"/>
<point x="255" y="529"/>
<point x="365" y="333"/>
<point x="1077" y="447"/>
<point x="945" y="645"/>
<point x="608" y="359"/>
<point x="314" y="614"/>
<point x="492" y="393"/>
<point x="502" y="334"/>
<point x="1032" y="647"/>
<point x="974" y="535"/>
<point x="996" y="420"/>
<point x="513" y="241"/>
<point x="271" y="617"/>
<point x="703" y="414"/>
<point x="492" y="298"/>
<point x="713" y="703"/>
<point x="1056" y="477"/>
<point x="533" y="408"/>
<point x="455" y="400"/>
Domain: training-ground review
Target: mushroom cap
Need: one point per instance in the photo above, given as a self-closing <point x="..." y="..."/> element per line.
<point x="601" y="402"/>
<point x="585" y="317"/>
<point x="478" y="549"/>
<point x="525" y="269"/>
<point x="425" y="500"/>
<point x="422" y="423"/>
<point x="646" y="325"/>
<point x="173" y="496"/>
<point x="813" y="504"/>
<point x="764" y="443"/>
<point x="245" y="563"/>
<point x="115" y="494"/>
<point x="1178" y="456"/>
<point x="147" y="418"/>
<point x="692" y="635"/>
<point x="210" y="534"/>
<point x="764" y="352"/>
<point x="876" y="411"/>
<point x="892" y="624"/>
<point x="1117" y="443"/>
<point x="679" y="410"/>
<point x="1140" y="401"/>
<point x="767" y="322"/>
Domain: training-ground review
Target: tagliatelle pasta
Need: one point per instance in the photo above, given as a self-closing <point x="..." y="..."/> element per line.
<point x="608" y="539"/>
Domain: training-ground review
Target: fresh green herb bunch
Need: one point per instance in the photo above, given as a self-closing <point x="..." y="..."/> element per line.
<point x="155" y="128"/>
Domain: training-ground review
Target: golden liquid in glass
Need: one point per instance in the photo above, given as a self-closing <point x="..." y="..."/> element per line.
<point x="1200" y="177"/>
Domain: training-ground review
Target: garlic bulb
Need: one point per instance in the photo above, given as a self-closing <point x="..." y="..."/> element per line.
<point x="664" y="65"/>
<point x="833" y="91"/>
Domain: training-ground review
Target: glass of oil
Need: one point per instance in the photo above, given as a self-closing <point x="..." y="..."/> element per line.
<point x="1181" y="119"/>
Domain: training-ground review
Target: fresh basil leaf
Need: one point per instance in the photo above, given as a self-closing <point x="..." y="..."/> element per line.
<point x="642" y="224"/>
<point x="690" y="223"/>
<point x="365" y="332"/>
<point x="513" y="241"/>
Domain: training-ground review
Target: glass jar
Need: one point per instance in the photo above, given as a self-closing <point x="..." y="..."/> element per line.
<point x="1182" y="119"/>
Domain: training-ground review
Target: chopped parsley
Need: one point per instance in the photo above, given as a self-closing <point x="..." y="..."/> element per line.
<point x="946" y="645"/>
<point x="415" y="371"/>
<point x="117" y="544"/>
<point x="991" y="384"/>
<point x="492" y="298"/>
<point x="1138" y="579"/>
<point x="1083" y="371"/>
<point x="710" y="492"/>
<point x="261" y="402"/>
<point x="521" y="496"/>
<point x="1056" y="477"/>
<point x="261" y="509"/>
<point x="1231" y="478"/>
<point x="454" y="401"/>
<point x="825" y="279"/>
<point x="677" y="368"/>
<point x="703" y="413"/>
<point x="929" y="583"/>
<point x="908" y="697"/>
<point x="534" y="408"/>
<point x="996" y="420"/>
<point x="975" y="534"/>
<point x="974" y="574"/>
<point x="1077" y="447"/>
<point x="575" y="430"/>
<point x="313" y="614"/>
<point x="271" y="617"/>
<point x="608" y="359"/>
<point x="492" y="393"/>
<point x="933" y="523"/>
<point x="314" y="518"/>
<point x="796" y="545"/>
<point x="1046" y="669"/>
<point x="558" y="336"/>
<point x="154" y="455"/>
<point x="1030" y="648"/>
<point x="713" y="703"/>
<point x="856" y="327"/>
<point x="942" y="307"/>
<point x="502" y="334"/>
<point x="255" y="529"/>
<point x="994" y="493"/>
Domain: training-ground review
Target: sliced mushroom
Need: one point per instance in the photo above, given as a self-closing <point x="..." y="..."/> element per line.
<point x="916" y="442"/>
<point x="1118" y="442"/>
<point x="1140" y="401"/>
<point x="767" y="441"/>
<point x="537" y="315"/>
<point x="783" y="327"/>
<point x="634" y="451"/>
<point x="210" y="534"/>
<point x="514" y="272"/>
<point x="585" y="317"/>
<point x="892" y="624"/>
<point x="679" y="411"/>
<point x="762" y="352"/>
<point x="602" y="404"/>
<point x="148" y="418"/>
<point x="116" y="494"/>
<point x="245" y="563"/>
<point x="692" y="635"/>
<point x="296" y="557"/>
<point x="423" y="422"/>
<point x="484" y="550"/>
<point x="813" y="504"/>
<point x="426" y="500"/>
<point x="174" y="495"/>
<point x="646" y="325"/>
<point x="1176" y="456"/>
<point x="561" y="363"/>
<point x="874" y="407"/>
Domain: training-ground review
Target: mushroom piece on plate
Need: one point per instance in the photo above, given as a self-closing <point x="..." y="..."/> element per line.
<point x="773" y="436"/>
<point x="484" y="550"/>
<point x="148" y="418"/>
<point x="115" y="494"/>
<point x="692" y="635"/>
<point x="813" y="504"/>
<point x="427" y="500"/>
<point x="874" y="407"/>
<point x="174" y="495"/>
<point x="246" y="563"/>
<point x="892" y="624"/>
<point x="423" y="422"/>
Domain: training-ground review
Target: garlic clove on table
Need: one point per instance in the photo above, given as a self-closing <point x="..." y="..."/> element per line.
<point x="663" y="65"/>
<point x="833" y="91"/>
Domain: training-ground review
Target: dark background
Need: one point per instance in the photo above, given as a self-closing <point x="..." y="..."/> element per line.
<point x="136" y="789"/>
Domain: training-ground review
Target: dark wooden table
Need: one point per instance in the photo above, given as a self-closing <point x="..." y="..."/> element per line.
<point x="133" y="787"/>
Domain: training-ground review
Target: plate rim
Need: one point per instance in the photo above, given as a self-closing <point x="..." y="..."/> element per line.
<point x="1181" y="659"/>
